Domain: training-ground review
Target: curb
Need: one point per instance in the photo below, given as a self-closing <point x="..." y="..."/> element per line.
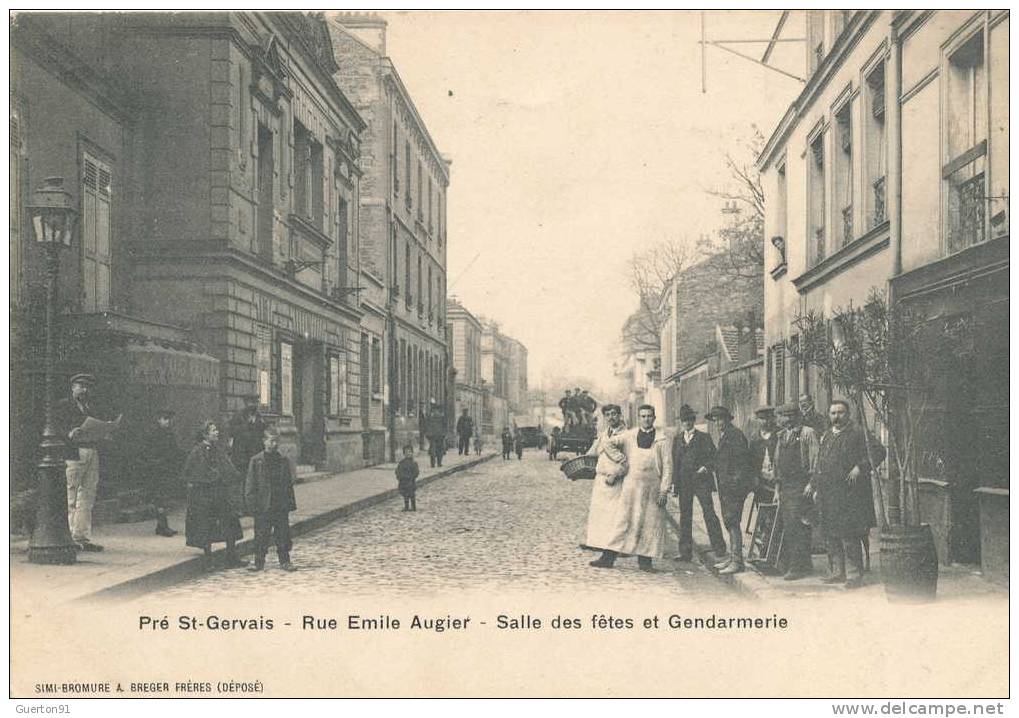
<point x="737" y="582"/>
<point x="193" y="567"/>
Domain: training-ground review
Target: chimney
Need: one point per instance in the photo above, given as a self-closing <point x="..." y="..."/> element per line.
<point x="368" y="27"/>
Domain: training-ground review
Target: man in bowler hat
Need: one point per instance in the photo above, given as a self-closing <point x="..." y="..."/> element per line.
<point x="693" y="461"/>
<point x="246" y="430"/>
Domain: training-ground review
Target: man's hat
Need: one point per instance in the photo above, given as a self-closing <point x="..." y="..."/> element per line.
<point x="719" y="412"/>
<point x="606" y="408"/>
<point x="790" y="408"/>
<point x="686" y="413"/>
<point x="765" y="412"/>
<point x="83" y="378"/>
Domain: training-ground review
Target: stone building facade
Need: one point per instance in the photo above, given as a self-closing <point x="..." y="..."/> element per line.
<point x="216" y="164"/>
<point x="465" y="354"/>
<point x="402" y="232"/>
<point x="890" y="171"/>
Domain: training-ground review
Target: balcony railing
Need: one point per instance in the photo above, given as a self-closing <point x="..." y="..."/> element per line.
<point x="879" y="202"/>
<point x="847" y="224"/>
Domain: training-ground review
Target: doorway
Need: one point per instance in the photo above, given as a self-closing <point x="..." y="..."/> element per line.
<point x="309" y="375"/>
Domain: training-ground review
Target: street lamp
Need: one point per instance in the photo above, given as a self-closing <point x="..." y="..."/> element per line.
<point x="54" y="215"/>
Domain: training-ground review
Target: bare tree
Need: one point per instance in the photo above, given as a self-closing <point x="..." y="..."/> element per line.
<point x="743" y="238"/>
<point x="650" y="274"/>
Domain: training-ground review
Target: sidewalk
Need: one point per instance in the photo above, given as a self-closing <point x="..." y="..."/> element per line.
<point x="136" y="561"/>
<point x="954" y="581"/>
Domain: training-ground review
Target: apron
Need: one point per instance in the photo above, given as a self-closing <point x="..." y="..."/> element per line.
<point x="640" y="517"/>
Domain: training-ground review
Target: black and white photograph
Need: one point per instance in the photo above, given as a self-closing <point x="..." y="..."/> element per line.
<point x="510" y="353"/>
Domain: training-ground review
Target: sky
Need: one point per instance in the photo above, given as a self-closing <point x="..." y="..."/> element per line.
<point x="577" y="138"/>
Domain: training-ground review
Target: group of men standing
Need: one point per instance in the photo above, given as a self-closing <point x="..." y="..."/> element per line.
<point x="816" y="467"/>
<point x="577" y="407"/>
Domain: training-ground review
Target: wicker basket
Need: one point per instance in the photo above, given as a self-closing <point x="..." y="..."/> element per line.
<point x="582" y="467"/>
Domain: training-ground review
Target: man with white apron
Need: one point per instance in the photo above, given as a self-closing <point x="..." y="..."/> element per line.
<point x="639" y="517"/>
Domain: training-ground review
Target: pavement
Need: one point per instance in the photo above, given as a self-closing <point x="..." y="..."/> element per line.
<point x="510" y="524"/>
<point x="507" y="528"/>
<point x="136" y="561"/>
<point x="955" y="581"/>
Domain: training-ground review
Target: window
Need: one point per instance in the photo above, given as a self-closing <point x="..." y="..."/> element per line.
<point x="815" y="39"/>
<point x="406" y="265"/>
<point x="308" y="173"/>
<point x="782" y="207"/>
<point x="964" y="170"/>
<point x="266" y="173"/>
<point x="263" y="365"/>
<point x="396" y="161"/>
<point x="286" y="378"/>
<point x="95" y="228"/>
<point x="431" y="201"/>
<point x="406" y="169"/>
<point x="842" y="171"/>
<point x="998" y="199"/>
<point x="337" y="383"/>
<point x="431" y="308"/>
<point x="376" y="366"/>
<point x="420" y="285"/>
<point x="875" y="160"/>
<point x="442" y="202"/>
<point x="342" y="239"/>
<point x="778" y="373"/>
<point x="816" y="201"/>
<point x="420" y="196"/>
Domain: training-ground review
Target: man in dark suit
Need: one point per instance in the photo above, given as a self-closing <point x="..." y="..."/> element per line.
<point x="693" y="460"/>
<point x="733" y="474"/>
<point x="246" y="429"/>
<point x="464" y="432"/>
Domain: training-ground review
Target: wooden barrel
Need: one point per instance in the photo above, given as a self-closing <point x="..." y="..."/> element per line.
<point x="909" y="563"/>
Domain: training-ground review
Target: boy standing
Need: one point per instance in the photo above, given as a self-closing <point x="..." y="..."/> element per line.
<point x="406" y="478"/>
<point x="161" y="462"/>
<point x="269" y="497"/>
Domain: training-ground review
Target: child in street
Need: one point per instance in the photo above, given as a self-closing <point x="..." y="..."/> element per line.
<point x="507" y="442"/>
<point x="477" y="442"/>
<point x="406" y="478"/>
<point x="269" y="498"/>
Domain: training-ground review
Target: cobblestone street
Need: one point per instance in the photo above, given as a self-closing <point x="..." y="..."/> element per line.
<point x="504" y="525"/>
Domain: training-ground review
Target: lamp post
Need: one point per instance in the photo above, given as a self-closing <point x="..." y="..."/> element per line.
<point x="53" y="214"/>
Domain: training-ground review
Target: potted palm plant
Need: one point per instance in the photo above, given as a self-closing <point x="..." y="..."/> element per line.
<point x="886" y="360"/>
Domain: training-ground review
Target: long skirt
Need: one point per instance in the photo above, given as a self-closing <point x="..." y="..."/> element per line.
<point x="212" y="515"/>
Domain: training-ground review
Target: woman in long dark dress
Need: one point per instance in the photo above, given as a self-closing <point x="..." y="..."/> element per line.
<point x="214" y="487"/>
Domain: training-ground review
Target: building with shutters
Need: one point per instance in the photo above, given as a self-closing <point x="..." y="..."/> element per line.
<point x="402" y="233"/>
<point x="890" y="171"/>
<point x="215" y="161"/>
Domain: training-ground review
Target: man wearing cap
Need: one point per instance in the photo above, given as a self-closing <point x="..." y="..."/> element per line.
<point x="735" y="480"/>
<point x="161" y="462"/>
<point x="795" y="458"/>
<point x="762" y="451"/>
<point x="693" y="460"/>
<point x="841" y="479"/>
<point x="246" y="430"/>
<point x="811" y="417"/>
<point x="82" y="458"/>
